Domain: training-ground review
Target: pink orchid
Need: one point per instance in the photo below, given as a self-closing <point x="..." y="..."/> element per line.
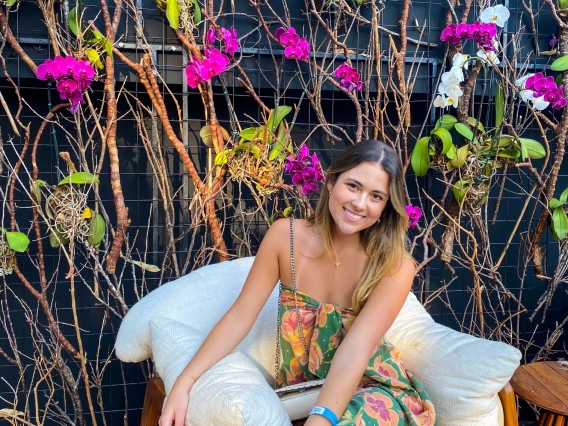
<point x="449" y="34"/>
<point x="463" y="31"/>
<point x="295" y="47"/>
<point x="47" y="70"/>
<point x="414" y="213"/>
<point x="83" y="74"/>
<point x="193" y="73"/>
<point x="66" y="87"/>
<point x="305" y="170"/>
<point x="228" y="36"/>
<point x="65" y="64"/>
<point x="349" y="77"/>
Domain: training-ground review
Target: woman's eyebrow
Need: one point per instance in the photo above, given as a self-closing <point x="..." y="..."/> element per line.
<point x="375" y="190"/>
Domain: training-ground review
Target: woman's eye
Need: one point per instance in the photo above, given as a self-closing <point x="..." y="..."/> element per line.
<point x="352" y="185"/>
<point x="377" y="197"/>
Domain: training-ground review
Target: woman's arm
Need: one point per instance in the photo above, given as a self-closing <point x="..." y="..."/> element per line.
<point x="233" y="326"/>
<point x="351" y="359"/>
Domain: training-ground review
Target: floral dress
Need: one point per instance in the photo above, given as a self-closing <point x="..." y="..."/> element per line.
<point x="388" y="395"/>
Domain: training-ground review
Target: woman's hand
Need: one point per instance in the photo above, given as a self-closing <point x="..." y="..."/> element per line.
<point x="175" y="410"/>
<point x="317" y="421"/>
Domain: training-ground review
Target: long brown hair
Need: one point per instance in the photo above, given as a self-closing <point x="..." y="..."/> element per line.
<point x="384" y="242"/>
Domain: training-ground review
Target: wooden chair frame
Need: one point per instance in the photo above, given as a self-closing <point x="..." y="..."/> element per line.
<point x="155" y="395"/>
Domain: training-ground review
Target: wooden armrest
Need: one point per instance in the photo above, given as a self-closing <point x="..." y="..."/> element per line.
<point x="153" y="401"/>
<point x="509" y="403"/>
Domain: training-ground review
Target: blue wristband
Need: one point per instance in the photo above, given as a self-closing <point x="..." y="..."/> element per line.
<point x="325" y="412"/>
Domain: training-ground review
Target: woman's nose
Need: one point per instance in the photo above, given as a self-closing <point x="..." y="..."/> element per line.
<point x="359" y="202"/>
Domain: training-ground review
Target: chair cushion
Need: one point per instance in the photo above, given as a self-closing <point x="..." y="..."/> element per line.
<point x="199" y="300"/>
<point x="231" y="393"/>
<point x="462" y="373"/>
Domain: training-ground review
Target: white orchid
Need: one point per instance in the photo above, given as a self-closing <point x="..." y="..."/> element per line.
<point x="450" y="99"/>
<point x="497" y="14"/>
<point x="460" y="61"/>
<point x="450" y="79"/>
<point x="489" y="56"/>
<point x="537" y="103"/>
<point x="521" y="81"/>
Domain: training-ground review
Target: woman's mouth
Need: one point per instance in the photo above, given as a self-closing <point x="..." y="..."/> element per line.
<point x="353" y="217"/>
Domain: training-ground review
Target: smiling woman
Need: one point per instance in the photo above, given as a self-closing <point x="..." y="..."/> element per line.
<point x="344" y="277"/>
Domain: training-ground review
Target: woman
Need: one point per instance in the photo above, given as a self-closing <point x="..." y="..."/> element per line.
<point x="350" y="255"/>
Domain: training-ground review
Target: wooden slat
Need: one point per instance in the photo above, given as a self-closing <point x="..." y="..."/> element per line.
<point x="542" y="418"/>
<point x="554" y="382"/>
<point x="560" y="420"/>
<point x="556" y="367"/>
<point x="509" y="403"/>
<point x="549" y="419"/>
<point x="530" y="389"/>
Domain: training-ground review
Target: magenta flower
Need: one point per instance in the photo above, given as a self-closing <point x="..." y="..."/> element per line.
<point x="295" y="47"/>
<point x="414" y="214"/>
<point x="48" y="70"/>
<point x="65" y="64"/>
<point x="349" y="77"/>
<point x="449" y="34"/>
<point x="75" y="98"/>
<point x="228" y="36"/>
<point x="463" y="31"/>
<point x="83" y="74"/>
<point x="305" y="170"/>
<point x="66" y="86"/>
<point x="193" y="73"/>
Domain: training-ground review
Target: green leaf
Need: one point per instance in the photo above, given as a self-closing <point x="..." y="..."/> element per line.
<point x="445" y="137"/>
<point x="473" y="121"/>
<point x="560" y="64"/>
<point x="280" y="143"/>
<point x="446" y="121"/>
<point x="452" y="152"/>
<point x="222" y="158"/>
<point x="249" y="133"/>
<point x="101" y="40"/>
<point x="564" y="196"/>
<point x="161" y="4"/>
<point x="172" y="13"/>
<point x="75" y="19"/>
<point x="94" y="58"/>
<point x="145" y="266"/>
<point x="460" y="189"/>
<point x="97" y="230"/>
<point x="17" y="241"/>
<point x="10" y="3"/>
<point x="560" y="223"/>
<point x="499" y="106"/>
<point x="252" y="148"/>
<point x="79" y="178"/>
<point x="534" y="149"/>
<point x="288" y="211"/>
<point x="35" y="189"/>
<point x="463" y="130"/>
<point x="196" y="12"/>
<point x="56" y="238"/>
<point x="420" y="158"/>
<point x="558" y="79"/>
<point x="554" y="203"/>
<point x="460" y="158"/>
<point x="509" y="153"/>
<point x="275" y="118"/>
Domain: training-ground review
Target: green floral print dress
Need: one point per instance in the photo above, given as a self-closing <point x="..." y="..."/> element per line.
<point x="388" y="395"/>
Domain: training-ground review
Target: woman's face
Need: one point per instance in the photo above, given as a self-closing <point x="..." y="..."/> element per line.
<point x="359" y="197"/>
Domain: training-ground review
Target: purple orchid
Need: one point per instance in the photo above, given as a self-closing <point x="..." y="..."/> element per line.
<point x="65" y="64"/>
<point x="230" y="38"/>
<point x="349" y="77"/>
<point x="66" y="86"/>
<point x="48" y="70"/>
<point x="193" y="73"/>
<point x="449" y="34"/>
<point x="553" y="41"/>
<point x="305" y="170"/>
<point x="414" y="214"/>
<point x="83" y="74"/>
<point x="295" y="47"/>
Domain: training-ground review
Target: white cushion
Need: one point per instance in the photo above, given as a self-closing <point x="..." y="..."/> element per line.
<point x="462" y="373"/>
<point x="200" y="299"/>
<point x="231" y="393"/>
